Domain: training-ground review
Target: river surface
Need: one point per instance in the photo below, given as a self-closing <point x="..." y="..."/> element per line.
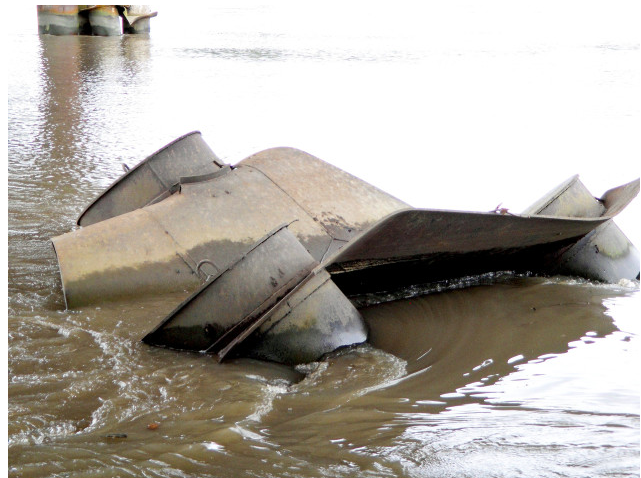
<point x="458" y="107"/>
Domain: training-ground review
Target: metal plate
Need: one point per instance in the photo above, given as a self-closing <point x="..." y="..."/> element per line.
<point x="404" y="235"/>
<point x="416" y="247"/>
<point x="247" y="289"/>
<point x="154" y="249"/>
<point x="315" y="320"/>
<point x="188" y="155"/>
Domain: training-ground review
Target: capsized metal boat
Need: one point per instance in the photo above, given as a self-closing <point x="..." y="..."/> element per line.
<point x="280" y="247"/>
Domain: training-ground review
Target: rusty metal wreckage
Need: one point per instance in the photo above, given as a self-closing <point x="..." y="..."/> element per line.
<point x="281" y="248"/>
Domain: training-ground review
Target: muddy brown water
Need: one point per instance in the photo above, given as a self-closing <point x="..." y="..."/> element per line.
<point x="504" y="376"/>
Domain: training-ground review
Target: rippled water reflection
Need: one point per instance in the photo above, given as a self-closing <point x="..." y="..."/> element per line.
<point x="523" y="377"/>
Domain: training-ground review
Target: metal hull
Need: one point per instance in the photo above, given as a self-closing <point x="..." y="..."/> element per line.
<point x="182" y="219"/>
<point x="154" y="178"/>
<point x="274" y="294"/>
<point x="560" y="234"/>
<point x="156" y="248"/>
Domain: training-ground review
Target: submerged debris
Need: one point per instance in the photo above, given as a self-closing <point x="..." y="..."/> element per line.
<point x="277" y="245"/>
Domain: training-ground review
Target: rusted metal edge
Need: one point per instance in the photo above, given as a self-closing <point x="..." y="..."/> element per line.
<point x="551" y="196"/>
<point x="616" y="199"/>
<point x="241" y="330"/>
<point x="253" y="322"/>
<point x="198" y="178"/>
<point x="212" y="278"/>
<point x="141" y="17"/>
<point x="132" y="170"/>
<point x="175" y="188"/>
<point x="362" y="248"/>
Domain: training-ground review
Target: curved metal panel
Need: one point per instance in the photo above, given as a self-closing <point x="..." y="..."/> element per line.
<point x="422" y="246"/>
<point x="316" y="320"/>
<point x="417" y="247"/>
<point x="246" y="289"/>
<point x="214" y="218"/>
<point x="343" y="204"/>
<point x="570" y="198"/>
<point x="163" y="243"/>
<point x="418" y="232"/>
<point x="271" y="303"/>
<point x="188" y="155"/>
<point x="132" y="254"/>
<point x="616" y="199"/>
<point x="605" y="254"/>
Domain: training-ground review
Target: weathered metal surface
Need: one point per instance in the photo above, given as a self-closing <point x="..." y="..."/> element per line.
<point x="341" y="203"/>
<point x="420" y="246"/>
<point x="419" y="232"/>
<point x="604" y="254"/>
<point x="292" y="313"/>
<point x="104" y="20"/>
<point x="156" y="175"/>
<point x="60" y="20"/>
<point x="155" y="249"/>
<point x="317" y="319"/>
<point x="570" y="199"/>
<point x="252" y="284"/>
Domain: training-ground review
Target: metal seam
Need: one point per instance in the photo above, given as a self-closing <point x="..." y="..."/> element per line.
<point x="286" y="300"/>
<point x="298" y="204"/>
<point x="182" y="252"/>
<point x="162" y="181"/>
